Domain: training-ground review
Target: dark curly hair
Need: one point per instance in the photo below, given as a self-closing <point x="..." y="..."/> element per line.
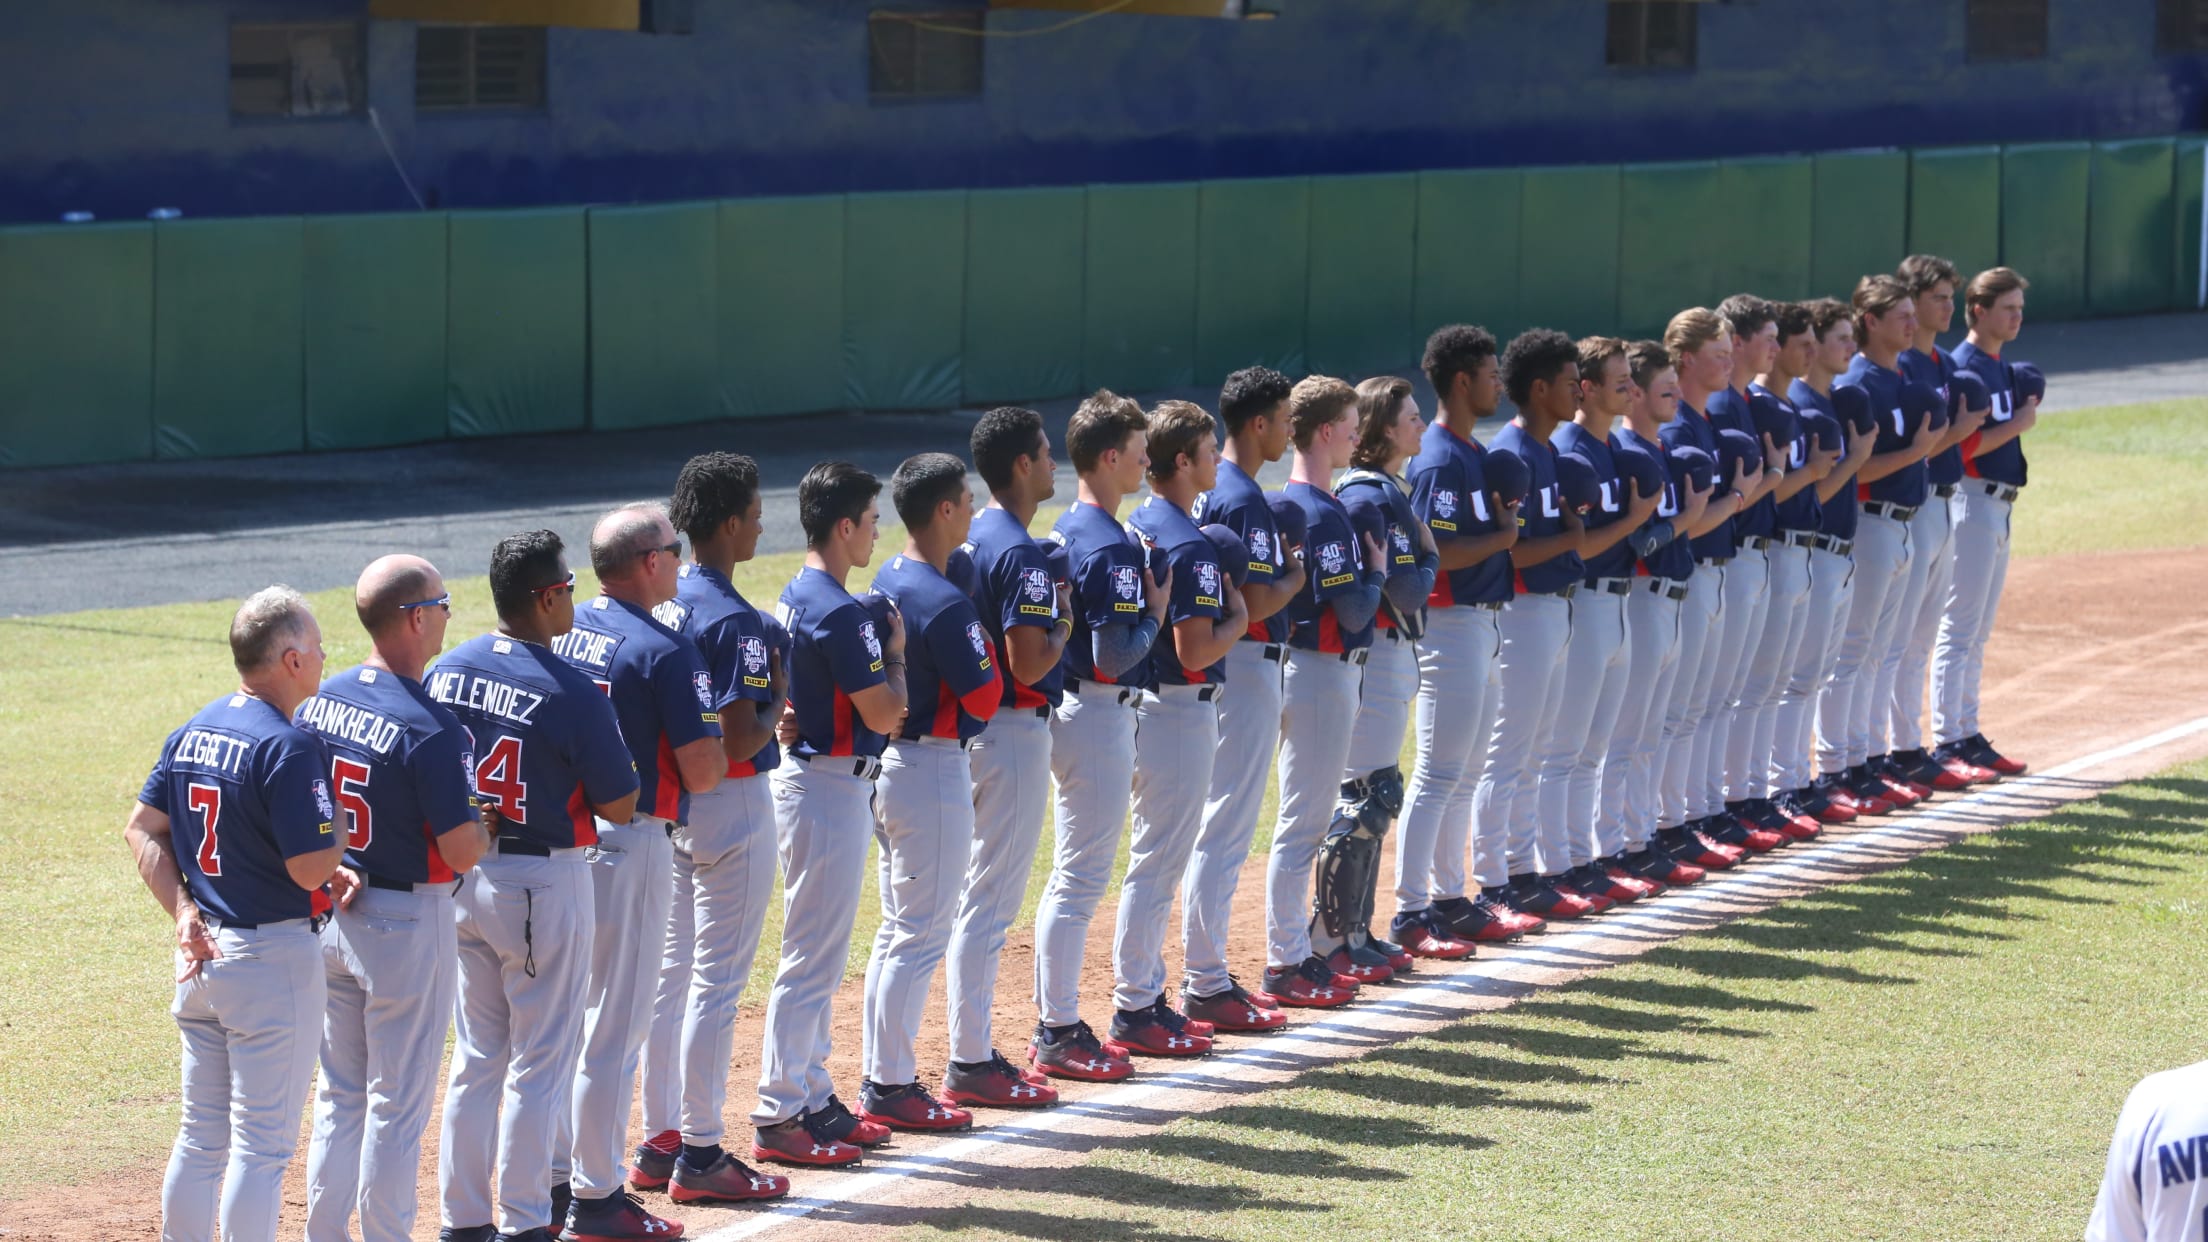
<point x="1536" y="354"/>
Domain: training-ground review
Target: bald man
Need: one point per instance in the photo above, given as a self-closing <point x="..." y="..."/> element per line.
<point x="663" y="697"/>
<point x="401" y="760"/>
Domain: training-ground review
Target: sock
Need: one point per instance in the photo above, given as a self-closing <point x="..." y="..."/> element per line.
<point x="699" y="1159"/>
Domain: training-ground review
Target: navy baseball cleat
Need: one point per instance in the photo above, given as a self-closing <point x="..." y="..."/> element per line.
<point x="541" y="1233"/>
<point x="655" y="1161"/>
<point x="467" y="1233"/>
<point x="908" y="1106"/>
<point x="618" y="1217"/>
<point x="837" y="1121"/>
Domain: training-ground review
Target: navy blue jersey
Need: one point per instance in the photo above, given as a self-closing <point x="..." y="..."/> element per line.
<point x="1729" y="409"/>
<point x="1945" y="466"/>
<point x="401" y="765"/>
<point x="835" y="652"/>
<point x="948" y="655"/>
<point x="1379" y="506"/>
<point x="1835" y="517"/>
<point x="547" y="744"/>
<point x="1104" y="564"/>
<point x="1007" y="575"/>
<point x="733" y="639"/>
<point x="1691" y="427"/>
<point x="244" y="790"/>
<point x="1236" y="502"/>
<point x="2004" y="464"/>
<point x="661" y="692"/>
<point x="1197" y="575"/>
<point x="1675" y="560"/>
<point x="1335" y="560"/>
<point x="1574" y="440"/>
<point x="1543" y="513"/>
<point x="1449" y="493"/>
<point x="1799" y="511"/>
<point x="1906" y="486"/>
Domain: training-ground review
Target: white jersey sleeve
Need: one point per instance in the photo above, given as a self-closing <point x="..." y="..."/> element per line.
<point x="2155" y="1188"/>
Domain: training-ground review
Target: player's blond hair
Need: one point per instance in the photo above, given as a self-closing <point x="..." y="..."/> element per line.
<point x="1315" y="401"/>
<point x="1693" y="328"/>
<point x="1176" y="427"/>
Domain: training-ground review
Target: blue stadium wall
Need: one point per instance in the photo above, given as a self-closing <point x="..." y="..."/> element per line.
<point x="119" y="106"/>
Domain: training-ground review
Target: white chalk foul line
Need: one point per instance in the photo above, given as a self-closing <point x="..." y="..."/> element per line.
<point x="1480" y="976"/>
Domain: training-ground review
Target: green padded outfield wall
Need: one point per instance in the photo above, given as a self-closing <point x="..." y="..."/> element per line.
<point x="1139" y="287"/>
<point x="1954" y="204"/>
<point x="1568" y="249"/>
<point x="2185" y="277"/>
<point x="227" y="354"/>
<point x="1672" y="245"/>
<point x="76" y="344"/>
<point x="2132" y="242"/>
<point x="904" y="286"/>
<point x="2044" y="187"/>
<point x="654" y="336"/>
<point x="781" y="305"/>
<point x="1023" y="294"/>
<point x="374" y="329"/>
<point x="1363" y="274"/>
<point x="1860" y="223"/>
<point x="1769" y="209"/>
<point x="1467" y="250"/>
<point x="1252" y="275"/>
<point x="516" y="338"/>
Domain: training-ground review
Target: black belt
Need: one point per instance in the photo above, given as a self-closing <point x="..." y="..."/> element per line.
<point x="1718" y="562"/>
<point x="1667" y="588"/>
<point x="1611" y="586"/>
<point x="865" y="767"/>
<point x="1566" y="591"/>
<point x="1836" y="545"/>
<point x="1888" y="509"/>
<point x="1491" y="605"/>
<point x="962" y="743"/>
<point x="1755" y="542"/>
<point x="1943" y="490"/>
<point x="1999" y="491"/>
<point x="1276" y="652"/>
<point x="388" y="884"/>
<point x="1799" y="539"/>
<point x="315" y="922"/>
<point x="1126" y="693"/>
<point x="1204" y="694"/>
<point x="527" y="849"/>
<point x="1043" y="712"/>
<point x="1347" y="657"/>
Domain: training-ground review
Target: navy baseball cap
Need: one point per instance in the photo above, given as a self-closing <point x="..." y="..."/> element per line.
<point x="877" y="606"/>
<point x="1966" y="392"/>
<point x="1824" y="434"/>
<point x="1233" y="557"/>
<point x="1773" y="418"/>
<point x="2028" y="382"/>
<point x="1852" y="405"/>
<point x="1507" y="476"/>
<point x="1641" y="469"/>
<point x="1920" y="405"/>
<point x="1736" y="448"/>
<point x="1154" y="559"/>
<point x="1576" y="479"/>
<point x="1288" y="516"/>
<point x="1054" y="555"/>
<point x="1693" y="465"/>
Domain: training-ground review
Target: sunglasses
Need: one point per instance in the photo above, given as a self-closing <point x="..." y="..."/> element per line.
<point x="562" y="588"/>
<point x="673" y="549"/>
<point x="443" y="601"/>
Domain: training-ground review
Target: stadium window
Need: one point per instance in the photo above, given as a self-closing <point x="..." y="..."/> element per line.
<point x="1651" y="34"/>
<point x="296" y="70"/>
<point x="2006" y="29"/>
<point x="468" y="68"/>
<point x="2181" y="26"/>
<point x="924" y="55"/>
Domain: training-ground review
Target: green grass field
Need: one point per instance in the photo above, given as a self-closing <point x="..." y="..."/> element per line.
<point x="1935" y="1052"/>
<point x="87" y="1053"/>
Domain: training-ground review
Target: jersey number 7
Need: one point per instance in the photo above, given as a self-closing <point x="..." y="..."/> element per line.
<point x="206" y="801"/>
<point x="498" y="778"/>
<point x="351" y="778"/>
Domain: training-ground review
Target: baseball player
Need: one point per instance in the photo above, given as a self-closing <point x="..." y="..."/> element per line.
<point x="1993" y="465"/>
<point x="1027" y="614"/>
<point x="664" y="698"/>
<point x="1118" y="607"/>
<point x="1742" y="663"/>
<point x="1389" y="429"/>
<point x="847" y="693"/>
<point x="1775" y="772"/>
<point x="401" y="760"/>
<point x="1592" y="683"/>
<point x="723" y="850"/>
<point x="548" y="755"/>
<point x="1331" y="623"/>
<point x="235" y="833"/>
<point x="1701" y="345"/>
<point x="924" y="805"/>
<point x="1892" y="486"/>
<point x="1253" y="407"/>
<point x="1932" y="283"/>
<point x="1811" y="787"/>
<point x="1541" y="371"/>
<point x="1176" y="727"/>
<point x="1632" y="806"/>
<point x="1473" y="531"/>
<point x="2155" y="1188"/>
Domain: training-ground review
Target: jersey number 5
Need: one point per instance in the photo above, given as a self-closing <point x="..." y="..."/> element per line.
<point x="498" y="777"/>
<point x="206" y="802"/>
<point x="351" y="779"/>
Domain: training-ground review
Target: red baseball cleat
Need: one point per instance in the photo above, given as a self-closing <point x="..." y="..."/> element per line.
<point x="1307" y="985"/>
<point x="1075" y="1052"/>
<point x="1641" y="886"/>
<point x="1978" y="750"/>
<point x="995" y="1083"/>
<point x="908" y="1106"/>
<point x="655" y="1160"/>
<point x="1596" y="902"/>
<point x="1423" y="935"/>
<point x="799" y="1141"/>
<point x="726" y="1180"/>
<point x="1157" y="1031"/>
<point x="616" y="1218"/>
<point x="1344" y="962"/>
<point x="1232" y="1010"/>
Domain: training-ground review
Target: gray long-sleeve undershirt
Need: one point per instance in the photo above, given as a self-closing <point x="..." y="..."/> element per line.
<point x="1114" y="649"/>
<point x="1355" y="609"/>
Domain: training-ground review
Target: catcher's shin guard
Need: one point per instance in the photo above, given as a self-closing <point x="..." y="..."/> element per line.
<point x="1346" y="858"/>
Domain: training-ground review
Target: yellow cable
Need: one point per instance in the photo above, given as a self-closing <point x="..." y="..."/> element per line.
<point x="1068" y="24"/>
